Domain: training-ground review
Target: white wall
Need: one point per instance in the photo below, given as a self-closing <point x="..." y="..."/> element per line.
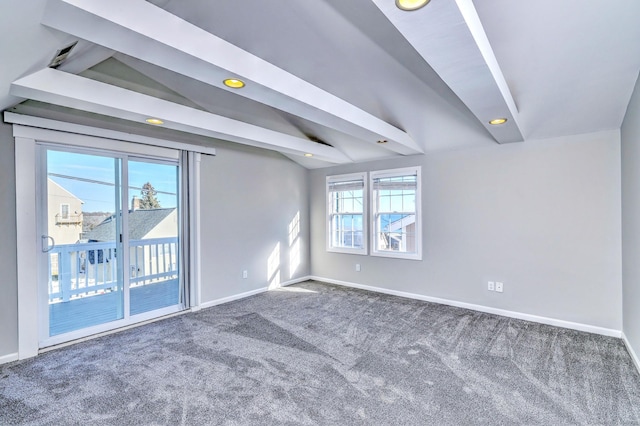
<point x="541" y="216"/>
<point x="8" y="276"/>
<point x="249" y="198"/>
<point x="630" y="136"/>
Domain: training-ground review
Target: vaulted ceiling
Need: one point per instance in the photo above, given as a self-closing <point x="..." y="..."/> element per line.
<point x="329" y="78"/>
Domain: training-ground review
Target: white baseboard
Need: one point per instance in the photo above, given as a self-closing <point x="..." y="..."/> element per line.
<point x="8" y="358"/>
<point x="228" y="299"/>
<point x="511" y="314"/>
<point x="239" y="296"/>
<point x="634" y="355"/>
<point x="295" y="281"/>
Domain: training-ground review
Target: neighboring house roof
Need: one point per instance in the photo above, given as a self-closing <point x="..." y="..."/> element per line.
<point x="141" y="222"/>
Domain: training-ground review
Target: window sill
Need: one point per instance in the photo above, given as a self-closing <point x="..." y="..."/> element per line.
<point x="395" y="255"/>
<point x="360" y="252"/>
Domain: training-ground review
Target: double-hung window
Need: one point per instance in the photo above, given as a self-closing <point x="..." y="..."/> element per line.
<point x="64" y="211"/>
<point x="395" y="200"/>
<point x="346" y="201"/>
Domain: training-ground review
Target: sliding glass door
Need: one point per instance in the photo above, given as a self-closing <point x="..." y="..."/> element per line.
<point x="110" y="252"/>
<point x="84" y="269"/>
<point x="153" y="236"/>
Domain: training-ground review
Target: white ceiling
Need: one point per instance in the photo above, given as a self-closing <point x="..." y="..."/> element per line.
<point x="349" y="73"/>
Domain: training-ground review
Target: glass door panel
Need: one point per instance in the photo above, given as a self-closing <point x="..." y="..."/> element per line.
<point x="153" y="236"/>
<point x="82" y="240"/>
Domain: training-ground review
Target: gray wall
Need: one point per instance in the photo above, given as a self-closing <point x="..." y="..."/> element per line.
<point x="630" y="136"/>
<point x="541" y="216"/>
<point x="249" y="198"/>
<point x="8" y="278"/>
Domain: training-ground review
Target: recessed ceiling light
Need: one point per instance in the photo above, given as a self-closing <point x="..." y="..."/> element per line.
<point x="234" y="83"/>
<point x="381" y="141"/>
<point x="411" y="4"/>
<point x="154" y="121"/>
<point x="308" y="155"/>
<point x="497" y="121"/>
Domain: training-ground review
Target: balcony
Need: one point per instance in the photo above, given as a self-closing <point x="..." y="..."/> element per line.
<point x="84" y="289"/>
<point x="69" y="219"/>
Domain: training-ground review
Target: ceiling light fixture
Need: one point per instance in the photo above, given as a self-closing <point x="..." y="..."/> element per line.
<point x="308" y="155"/>
<point x="497" y="121"/>
<point x="155" y="121"/>
<point x="410" y="5"/>
<point x="234" y="83"/>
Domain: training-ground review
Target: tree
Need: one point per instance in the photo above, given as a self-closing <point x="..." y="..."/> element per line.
<point x="148" y="197"/>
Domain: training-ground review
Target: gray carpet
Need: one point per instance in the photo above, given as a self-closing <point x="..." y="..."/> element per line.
<point x="321" y="354"/>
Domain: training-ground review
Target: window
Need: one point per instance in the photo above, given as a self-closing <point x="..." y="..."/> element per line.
<point x="395" y="202"/>
<point x="64" y="211"/>
<point x="346" y="213"/>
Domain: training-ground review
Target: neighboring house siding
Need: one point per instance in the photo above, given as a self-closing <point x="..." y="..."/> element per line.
<point x="168" y="227"/>
<point x="64" y="218"/>
<point x="63" y="229"/>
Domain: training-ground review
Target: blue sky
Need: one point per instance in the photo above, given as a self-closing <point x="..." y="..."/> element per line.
<point x="99" y="195"/>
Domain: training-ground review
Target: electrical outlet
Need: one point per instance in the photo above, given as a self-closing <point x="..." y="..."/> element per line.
<point x="245" y="274"/>
<point x="357" y="267"/>
<point x="491" y="286"/>
<point x="499" y="286"/>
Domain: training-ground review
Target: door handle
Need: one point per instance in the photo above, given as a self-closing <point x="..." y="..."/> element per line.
<point x="46" y="247"/>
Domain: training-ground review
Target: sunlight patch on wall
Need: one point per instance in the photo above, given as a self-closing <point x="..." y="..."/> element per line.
<point x="273" y="268"/>
<point x="275" y="282"/>
<point x="294" y="258"/>
<point x="294" y="229"/>
<point x="294" y="244"/>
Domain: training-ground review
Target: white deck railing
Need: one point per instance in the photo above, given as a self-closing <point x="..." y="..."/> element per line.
<point x="88" y="269"/>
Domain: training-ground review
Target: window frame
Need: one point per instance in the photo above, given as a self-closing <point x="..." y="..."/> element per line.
<point x="405" y="171"/>
<point x="329" y="214"/>
<point x="62" y="215"/>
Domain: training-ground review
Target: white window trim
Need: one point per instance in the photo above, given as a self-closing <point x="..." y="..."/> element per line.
<point x="365" y="243"/>
<point x="417" y="170"/>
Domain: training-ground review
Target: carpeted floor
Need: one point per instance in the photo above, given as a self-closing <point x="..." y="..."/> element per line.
<point x="320" y="354"/>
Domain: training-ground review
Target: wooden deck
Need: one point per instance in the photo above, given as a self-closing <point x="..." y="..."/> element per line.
<point x="89" y="311"/>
